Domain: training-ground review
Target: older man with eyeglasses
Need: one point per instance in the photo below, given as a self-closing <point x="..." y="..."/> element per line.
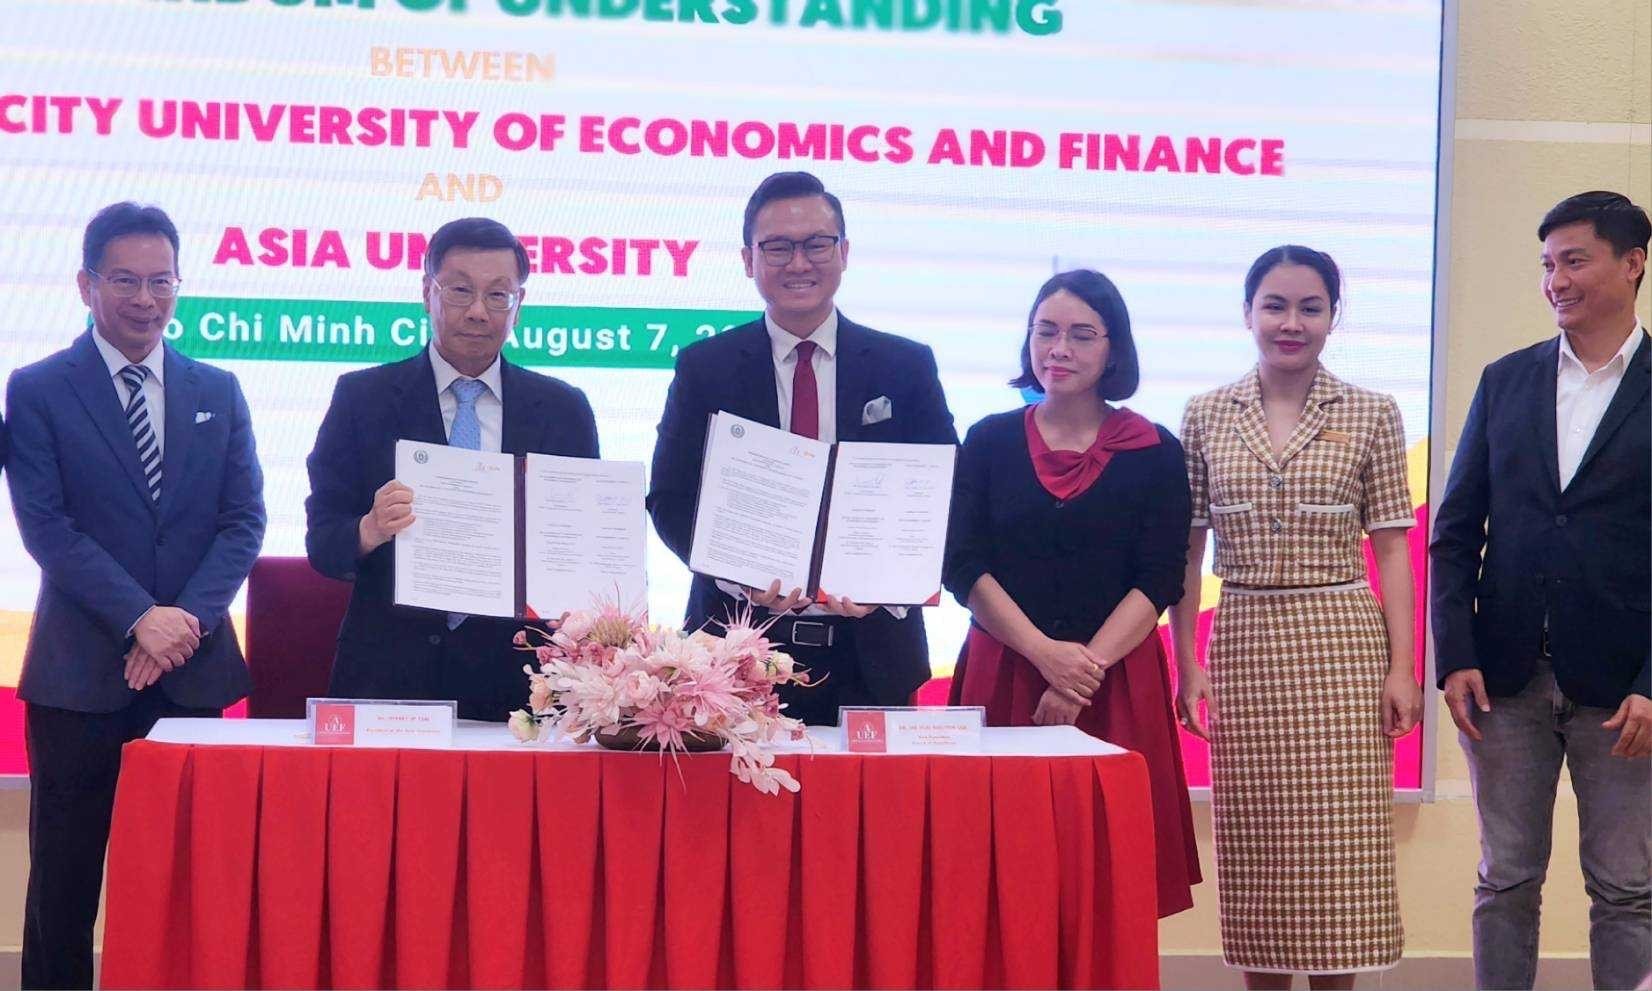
<point x="458" y="391"/>
<point x="138" y="492"/>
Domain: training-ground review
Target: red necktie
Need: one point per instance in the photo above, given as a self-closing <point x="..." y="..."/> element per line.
<point x="805" y="395"/>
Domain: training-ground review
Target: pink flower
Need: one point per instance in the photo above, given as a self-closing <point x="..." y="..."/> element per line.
<point x="743" y="640"/>
<point x="521" y="638"/>
<point x="606" y="669"/>
<point x="539" y="693"/>
<point x="638" y="689"/>
<point x="576" y="626"/>
<point x="665" y="723"/>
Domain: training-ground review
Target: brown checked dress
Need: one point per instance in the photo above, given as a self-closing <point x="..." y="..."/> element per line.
<point x="1301" y="772"/>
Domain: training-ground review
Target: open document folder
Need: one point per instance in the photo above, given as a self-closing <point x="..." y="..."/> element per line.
<point x="519" y="537"/>
<point x="861" y="520"/>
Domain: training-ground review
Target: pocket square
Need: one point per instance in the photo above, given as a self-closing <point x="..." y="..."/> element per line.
<point x="202" y="416"/>
<point x="876" y="411"/>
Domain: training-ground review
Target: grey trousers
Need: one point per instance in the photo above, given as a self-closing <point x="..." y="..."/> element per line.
<point x="1514" y="771"/>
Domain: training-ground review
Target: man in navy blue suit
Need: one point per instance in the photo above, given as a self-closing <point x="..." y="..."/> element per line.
<point x="458" y="391"/>
<point x="805" y="368"/>
<point x="137" y="490"/>
<point x="1539" y="598"/>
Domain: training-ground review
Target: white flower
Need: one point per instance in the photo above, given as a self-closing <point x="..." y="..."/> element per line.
<point x="523" y="726"/>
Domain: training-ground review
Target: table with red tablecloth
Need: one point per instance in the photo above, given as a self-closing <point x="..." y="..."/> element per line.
<point x="255" y="860"/>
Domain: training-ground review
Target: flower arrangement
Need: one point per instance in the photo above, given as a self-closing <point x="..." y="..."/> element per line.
<point x="607" y="673"/>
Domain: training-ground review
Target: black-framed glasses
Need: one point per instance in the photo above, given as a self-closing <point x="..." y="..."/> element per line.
<point x="778" y="251"/>
<point x="461" y="297"/>
<point x="125" y="286"/>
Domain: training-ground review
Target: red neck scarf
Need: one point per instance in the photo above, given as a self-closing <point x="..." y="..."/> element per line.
<point x="1069" y="474"/>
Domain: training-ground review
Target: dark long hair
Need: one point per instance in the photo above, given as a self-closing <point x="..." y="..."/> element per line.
<point x="1295" y="254"/>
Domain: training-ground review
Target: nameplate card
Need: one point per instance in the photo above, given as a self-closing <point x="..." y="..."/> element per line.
<point x="912" y="729"/>
<point x="383" y="723"/>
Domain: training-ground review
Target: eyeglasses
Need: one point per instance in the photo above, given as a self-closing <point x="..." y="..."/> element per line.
<point x="160" y="286"/>
<point x="1075" y="335"/>
<point x="461" y="297"/>
<point x="778" y="251"/>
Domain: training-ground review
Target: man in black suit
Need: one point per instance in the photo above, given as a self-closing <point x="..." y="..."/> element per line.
<point x="457" y="391"/>
<point x="805" y="368"/>
<point x="1539" y="601"/>
<point x="137" y="489"/>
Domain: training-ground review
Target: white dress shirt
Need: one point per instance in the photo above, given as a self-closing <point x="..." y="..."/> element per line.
<point x="783" y="343"/>
<point x="1581" y="398"/>
<point x="154" y="387"/>
<point x="490" y="405"/>
<point x="154" y="398"/>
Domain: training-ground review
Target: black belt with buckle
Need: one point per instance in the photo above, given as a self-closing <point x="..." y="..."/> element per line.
<point x="802" y="632"/>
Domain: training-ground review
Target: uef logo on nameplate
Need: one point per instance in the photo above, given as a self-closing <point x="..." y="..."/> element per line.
<point x="381" y="723"/>
<point x="912" y="729"/>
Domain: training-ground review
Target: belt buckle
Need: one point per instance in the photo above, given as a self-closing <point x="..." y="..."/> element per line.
<point x="808" y="633"/>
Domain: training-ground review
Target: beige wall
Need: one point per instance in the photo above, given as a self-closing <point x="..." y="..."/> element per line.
<point x="1553" y="97"/>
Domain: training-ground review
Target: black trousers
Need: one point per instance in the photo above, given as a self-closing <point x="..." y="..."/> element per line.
<point x="479" y="669"/>
<point x="74" y="760"/>
<point x="838" y="671"/>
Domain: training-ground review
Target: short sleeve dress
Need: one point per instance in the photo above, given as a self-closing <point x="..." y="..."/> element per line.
<point x="1301" y="772"/>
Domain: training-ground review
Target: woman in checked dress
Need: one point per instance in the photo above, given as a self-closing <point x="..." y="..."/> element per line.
<point x="1310" y="679"/>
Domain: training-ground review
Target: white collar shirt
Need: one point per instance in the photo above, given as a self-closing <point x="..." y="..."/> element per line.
<point x="490" y="405"/>
<point x="1581" y="398"/>
<point x="154" y="385"/>
<point x="783" y="345"/>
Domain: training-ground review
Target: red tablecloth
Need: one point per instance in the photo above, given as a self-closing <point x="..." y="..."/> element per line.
<point x="234" y="866"/>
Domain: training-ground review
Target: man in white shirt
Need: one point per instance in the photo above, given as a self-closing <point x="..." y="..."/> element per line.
<point x="1539" y="591"/>
<point x="807" y="369"/>
<point x="458" y="391"/>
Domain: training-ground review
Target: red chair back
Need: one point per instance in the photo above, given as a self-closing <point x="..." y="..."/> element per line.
<point x="293" y="615"/>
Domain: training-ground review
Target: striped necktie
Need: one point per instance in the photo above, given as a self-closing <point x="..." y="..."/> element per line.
<point x="143" y="433"/>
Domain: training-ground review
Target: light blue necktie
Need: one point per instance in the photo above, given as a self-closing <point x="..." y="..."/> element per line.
<point x="466" y="432"/>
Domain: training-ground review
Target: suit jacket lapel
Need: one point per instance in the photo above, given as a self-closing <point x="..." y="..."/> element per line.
<point x="418" y="416"/>
<point x="756" y="373"/>
<point x="181" y="393"/>
<point x="90" y="379"/>
<point x="854" y="376"/>
<point x="1324" y="391"/>
<point x="1631" y="391"/>
<point x="1544" y="409"/>
<point x="521" y="417"/>
<point x="1249" y="421"/>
